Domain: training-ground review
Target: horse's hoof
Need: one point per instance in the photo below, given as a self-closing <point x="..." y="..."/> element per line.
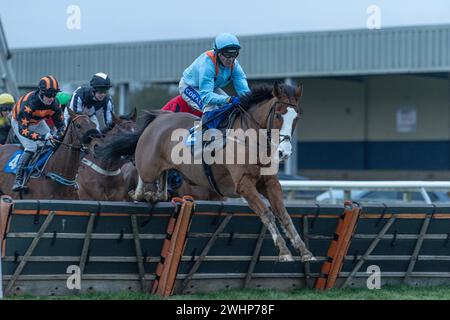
<point x="308" y="258"/>
<point x="151" y="197"/>
<point x="136" y="197"/>
<point x="285" y="258"/>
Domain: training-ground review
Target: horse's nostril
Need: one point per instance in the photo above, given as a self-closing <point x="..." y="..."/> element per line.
<point x="280" y="154"/>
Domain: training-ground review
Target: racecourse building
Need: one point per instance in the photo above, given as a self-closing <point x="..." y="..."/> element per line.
<point x="376" y="102"/>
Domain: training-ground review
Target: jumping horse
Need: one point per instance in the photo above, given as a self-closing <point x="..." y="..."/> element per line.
<point x="264" y="109"/>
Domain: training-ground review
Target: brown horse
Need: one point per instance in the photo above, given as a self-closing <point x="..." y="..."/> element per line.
<point x="265" y="109"/>
<point x="57" y="181"/>
<point x="112" y="180"/>
<point x="107" y="180"/>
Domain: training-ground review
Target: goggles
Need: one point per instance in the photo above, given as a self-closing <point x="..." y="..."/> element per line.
<point x="49" y="94"/>
<point x="230" y="54"/>
<point x="101" y="90"/>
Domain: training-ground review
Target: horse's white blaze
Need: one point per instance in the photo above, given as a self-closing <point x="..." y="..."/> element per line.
<point x="285" y="147"/>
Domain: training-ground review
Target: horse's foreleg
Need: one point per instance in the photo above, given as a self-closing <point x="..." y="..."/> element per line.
<point x="272" y="190"/>
<point x="246" y="188"/>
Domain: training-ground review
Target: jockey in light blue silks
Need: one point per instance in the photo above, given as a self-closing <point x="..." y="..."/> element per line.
<point x="201" y="83"/>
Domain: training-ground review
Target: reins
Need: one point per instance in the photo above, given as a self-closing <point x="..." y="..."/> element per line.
<point x="80" y="147"/>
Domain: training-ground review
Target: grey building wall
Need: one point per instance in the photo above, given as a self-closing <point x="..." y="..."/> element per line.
<point x="333" y="110"/>
<point x="428" y="96"/>
<point x="352" y="125"/>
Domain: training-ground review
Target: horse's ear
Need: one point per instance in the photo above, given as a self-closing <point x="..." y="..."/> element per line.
<point x="116" y="119"/>
<point x="133" y="115"/>
<point x="299" y="91"/>
<point x="72" y="113"/>
<point x="276" y="89"/>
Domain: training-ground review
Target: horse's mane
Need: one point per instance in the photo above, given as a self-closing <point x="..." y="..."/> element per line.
<point x="260" y="93"/>
<point x="257" y="94"/>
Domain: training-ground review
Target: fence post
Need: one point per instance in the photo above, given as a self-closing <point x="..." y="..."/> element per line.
<point x="339" y="246"/>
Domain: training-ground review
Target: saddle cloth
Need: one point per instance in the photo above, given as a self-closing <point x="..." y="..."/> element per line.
<point x="36" y="163"/>
<point x="221" y="119"/>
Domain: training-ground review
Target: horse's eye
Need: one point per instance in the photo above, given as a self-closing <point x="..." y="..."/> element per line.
<point x="278" y="115"/>
<point x="78" y="126"/>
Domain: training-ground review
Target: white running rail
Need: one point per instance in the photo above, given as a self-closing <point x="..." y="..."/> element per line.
<point x="405" y="186"/>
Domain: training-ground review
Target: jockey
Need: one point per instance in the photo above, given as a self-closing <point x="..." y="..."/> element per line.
<point x="201" y="83"/>
<point x="28" y="123"/>
<point x="6" y="104"/>
<point x="93" y="97"/>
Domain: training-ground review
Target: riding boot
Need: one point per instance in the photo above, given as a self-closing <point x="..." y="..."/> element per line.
<point x="23" y="162"/>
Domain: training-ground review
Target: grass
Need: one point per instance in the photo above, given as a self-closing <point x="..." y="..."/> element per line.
<point x="385" y="293"/>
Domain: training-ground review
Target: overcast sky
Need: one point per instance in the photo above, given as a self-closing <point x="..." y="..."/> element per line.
<point x="31" y="23"/>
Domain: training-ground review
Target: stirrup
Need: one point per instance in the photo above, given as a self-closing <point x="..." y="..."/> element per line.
<point x="21" y="188"/>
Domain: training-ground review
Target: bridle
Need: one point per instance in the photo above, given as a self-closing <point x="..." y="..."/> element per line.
<point x="57" y="177"/>
<point x="79" y="147"/>
<point x="269" y="122"/>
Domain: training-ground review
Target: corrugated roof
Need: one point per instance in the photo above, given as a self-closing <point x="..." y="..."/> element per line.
<point x="307" y="54"/>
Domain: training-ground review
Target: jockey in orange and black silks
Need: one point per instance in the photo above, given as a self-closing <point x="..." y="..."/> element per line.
<point x="28" y="122"/>
<point x="201" y="83"/>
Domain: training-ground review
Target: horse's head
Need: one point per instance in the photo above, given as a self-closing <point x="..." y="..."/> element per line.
<point x="80" y="130"/>
<point x="125" y="123"/>
<point x="286" y="114"/>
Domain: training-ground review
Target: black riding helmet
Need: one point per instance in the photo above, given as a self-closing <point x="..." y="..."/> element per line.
<point x="100" y="81"/>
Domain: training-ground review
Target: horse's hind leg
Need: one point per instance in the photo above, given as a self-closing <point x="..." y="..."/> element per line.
<point x="275" y="197"/>
<point x="161" y="193"/>
<point x="246" y="188"/>
<point x="164" y="190"/>
<point x="138" y="194"/>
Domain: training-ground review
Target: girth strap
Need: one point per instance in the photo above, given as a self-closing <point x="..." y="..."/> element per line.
<point x="210" y="176"/>
<point x="100" y="170"/>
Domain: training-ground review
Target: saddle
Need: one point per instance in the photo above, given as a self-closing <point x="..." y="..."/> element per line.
<point x="221" y="119"/>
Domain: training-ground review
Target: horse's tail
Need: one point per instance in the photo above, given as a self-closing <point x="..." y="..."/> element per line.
<point x="125" y="144"/>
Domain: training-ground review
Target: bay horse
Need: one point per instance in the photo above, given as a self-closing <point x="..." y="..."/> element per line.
<point x="108" y="180"/>
<point x="264" y="109"/>
<point x="57" y="181"/>
<point x="102" y="180"/>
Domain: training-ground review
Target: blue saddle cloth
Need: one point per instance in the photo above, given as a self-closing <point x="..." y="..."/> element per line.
<point x="11" y="165"/>
<point x="212" y="120"/>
